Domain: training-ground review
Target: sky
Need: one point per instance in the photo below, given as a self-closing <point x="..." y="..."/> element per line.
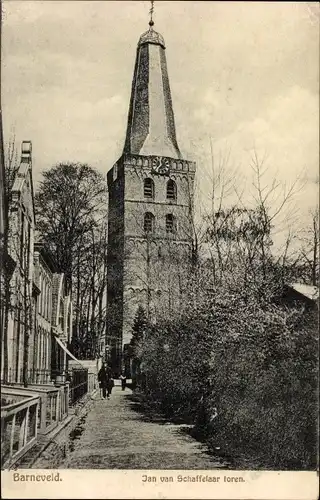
<point x="244" y="78"/>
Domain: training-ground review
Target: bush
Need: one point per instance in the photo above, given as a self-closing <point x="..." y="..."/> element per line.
<point x="248" y="381"/>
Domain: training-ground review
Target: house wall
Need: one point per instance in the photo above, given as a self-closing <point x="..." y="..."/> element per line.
<point x="40" y="362"/>
<point x="20" y="249"/>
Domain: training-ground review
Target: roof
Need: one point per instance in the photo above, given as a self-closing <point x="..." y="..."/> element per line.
<point x="46" y="254"/>
<point x="151" y="36"/>
<point x="309" y="291"/>
<point x="150" y="126"/>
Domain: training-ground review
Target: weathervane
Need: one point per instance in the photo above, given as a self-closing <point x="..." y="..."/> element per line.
<point x="151" y="23"/>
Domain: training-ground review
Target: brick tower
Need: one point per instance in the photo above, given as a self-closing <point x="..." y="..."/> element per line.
<point x="150" y="204"/>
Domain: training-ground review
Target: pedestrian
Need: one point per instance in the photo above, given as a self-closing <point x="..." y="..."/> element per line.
<point x="123" y="379"/>
<point x="110" y="382"/>
<point x="103" y="380"/>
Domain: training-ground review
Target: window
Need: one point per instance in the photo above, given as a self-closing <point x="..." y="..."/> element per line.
<point x="22" y="239"/>
<point x="61" y="315"/>
<point x="40" y="298"/>
<point x="43" y="301"/>
<point x="170" y="223"/>
<point x="148" y="188"/>
<point x="148" y="224"/>
<point x="171" y="190"/>
<point x="115" y="172"/>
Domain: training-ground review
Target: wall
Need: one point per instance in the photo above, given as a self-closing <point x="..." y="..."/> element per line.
<point x="41" y="363"/>
<point x="20" y="248"/>
<point x="146" y="271"/>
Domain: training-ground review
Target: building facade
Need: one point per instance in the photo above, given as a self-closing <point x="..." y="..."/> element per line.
<point x="39" y="307"/>
<point x="20" y="250"/>
<point x="40" y="357"/>
<point x="150" y="220"/>
<point x="6" y="263"/>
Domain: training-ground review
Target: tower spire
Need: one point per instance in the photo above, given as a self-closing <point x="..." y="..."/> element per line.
<point x="151" y="127"/>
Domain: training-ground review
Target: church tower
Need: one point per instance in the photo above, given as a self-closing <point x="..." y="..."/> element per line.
<point x="150" y="204"/>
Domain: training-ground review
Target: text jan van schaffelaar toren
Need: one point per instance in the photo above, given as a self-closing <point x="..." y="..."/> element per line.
<point x="199" y="478"/>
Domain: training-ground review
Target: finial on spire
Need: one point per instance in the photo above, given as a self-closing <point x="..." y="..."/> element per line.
<point x="151" y="23"/>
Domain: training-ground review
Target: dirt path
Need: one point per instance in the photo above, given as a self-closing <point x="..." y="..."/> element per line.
<point x="115" y="435"/>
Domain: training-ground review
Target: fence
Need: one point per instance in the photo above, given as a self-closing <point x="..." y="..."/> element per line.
<point x="53" y="406"/>
<point x="33" y="376"/>
<point x="78" y="384"/>
<point x="92" y="382"/>
<point x="19" y="424"/>
<point x="38" y="376"/>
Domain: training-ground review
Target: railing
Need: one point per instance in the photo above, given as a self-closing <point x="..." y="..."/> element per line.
<point x="53" y="405"/>
<point x="38" y="376"/>
<point x="78" y="384"/>
<point x="19" y="424"/>
<point x="64" y="401"/>
<point x="92" y="382"/>
<point x="33" y="376"/>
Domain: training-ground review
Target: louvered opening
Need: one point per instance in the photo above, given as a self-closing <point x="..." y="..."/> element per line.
<point x="171" y="190"/>
<point x="148" y="189"/>
<point x="148" y="222"/>
<point x="170" y="223"/>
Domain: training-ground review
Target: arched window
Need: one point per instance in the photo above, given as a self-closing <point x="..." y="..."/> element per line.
<point x="171" y="225"/>
<point x="148" y="188"/>
<point x="171" y="190"/>
<point x="148" y="223"/>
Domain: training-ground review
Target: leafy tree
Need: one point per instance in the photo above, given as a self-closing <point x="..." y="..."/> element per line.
<point x="139" y="330"/>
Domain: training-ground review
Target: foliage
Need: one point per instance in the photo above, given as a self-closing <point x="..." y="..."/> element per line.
<point x="236" y="361"/>
<point x="139" y="328"/>
<point x="248" y="381"/>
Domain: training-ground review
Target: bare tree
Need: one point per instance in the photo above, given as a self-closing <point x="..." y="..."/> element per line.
<point x="89" y="284"/>
<point x="307" y="260"/>
<point x="11" y="165"/>
<point x="68" y="197"/>
<point x="71" y="217"/>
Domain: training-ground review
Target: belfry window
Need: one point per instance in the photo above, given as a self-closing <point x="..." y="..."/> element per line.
<point x="171" y="190"/>
<point x="148" y="223"/>
<point x="170" y="223"/>
<point x="148" y="188"/>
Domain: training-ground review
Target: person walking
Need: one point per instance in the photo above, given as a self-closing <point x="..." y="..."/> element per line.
<point x="110" y="382"/>
<point x="123" y="379"/>
<point x="103" y="380"/>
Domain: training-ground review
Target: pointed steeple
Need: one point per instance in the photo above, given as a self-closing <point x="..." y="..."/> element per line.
<point x="151" y="127"/>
